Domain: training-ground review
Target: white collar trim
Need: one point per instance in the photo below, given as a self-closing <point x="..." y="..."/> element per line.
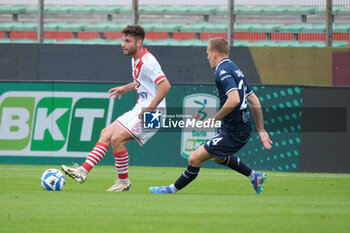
<point x="222" y="61"/>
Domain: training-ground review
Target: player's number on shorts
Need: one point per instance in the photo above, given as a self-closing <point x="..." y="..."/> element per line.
<point x="215" y="141"/>
<point x="244" y="101"/>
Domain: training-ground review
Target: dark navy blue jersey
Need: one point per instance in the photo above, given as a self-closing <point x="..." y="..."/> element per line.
<point x="229" y="77"/>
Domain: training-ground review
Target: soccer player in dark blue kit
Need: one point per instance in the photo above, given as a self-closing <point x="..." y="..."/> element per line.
<point x="234" y="92"/>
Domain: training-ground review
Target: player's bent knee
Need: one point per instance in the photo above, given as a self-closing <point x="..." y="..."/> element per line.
<point x="194" y="162"/>
<point x="104" y="131"/>
<point x="218" y="160"/>
<point x="116" y="138"/>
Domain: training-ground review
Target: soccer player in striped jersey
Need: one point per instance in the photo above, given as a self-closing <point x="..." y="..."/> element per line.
<point x="151" y="86"/>
<point x="234" y="93"/>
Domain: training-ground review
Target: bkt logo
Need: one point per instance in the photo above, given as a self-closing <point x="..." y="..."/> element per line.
<point x="52" y="123"/>
<point x="152" y="120"/>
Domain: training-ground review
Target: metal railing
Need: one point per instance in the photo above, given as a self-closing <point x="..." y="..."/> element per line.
<point x="181" y="22"/>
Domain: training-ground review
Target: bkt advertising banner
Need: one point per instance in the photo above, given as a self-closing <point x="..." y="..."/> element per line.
<point x="44" y="123"/>
<point x="58" y="123"/>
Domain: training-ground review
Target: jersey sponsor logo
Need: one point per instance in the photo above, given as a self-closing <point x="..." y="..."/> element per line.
<point x="142" y="95"/>
<point x="200" y="106"/>
<point x="225" y="77"/>
<point x="35" y="123"/>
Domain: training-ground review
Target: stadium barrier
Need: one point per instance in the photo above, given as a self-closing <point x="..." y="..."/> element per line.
<point x="54" y="123"/>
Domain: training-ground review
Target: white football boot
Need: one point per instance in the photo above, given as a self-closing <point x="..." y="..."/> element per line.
<point x="120" y="186"/>
<point x="75" y="172"/>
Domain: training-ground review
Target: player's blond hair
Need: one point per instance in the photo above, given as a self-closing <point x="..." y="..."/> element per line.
<point x="219" y="45"/>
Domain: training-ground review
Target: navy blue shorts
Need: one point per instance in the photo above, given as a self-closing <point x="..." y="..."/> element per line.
<point x="225" y="144"/>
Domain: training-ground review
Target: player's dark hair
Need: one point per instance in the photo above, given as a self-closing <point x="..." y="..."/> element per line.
<point x="219" y="45"/>
<point x="135" y="31"/>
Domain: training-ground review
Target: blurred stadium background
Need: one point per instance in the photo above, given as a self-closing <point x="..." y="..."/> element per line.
<point x="277" y="45"/>
<point x="284" y="23"/>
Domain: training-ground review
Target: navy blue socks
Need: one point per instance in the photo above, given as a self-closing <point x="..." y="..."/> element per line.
<point x="236" y="164"/>
<point x="187" y="176"/>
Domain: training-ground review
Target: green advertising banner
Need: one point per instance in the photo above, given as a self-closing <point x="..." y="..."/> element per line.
<point x="55" y="123"/>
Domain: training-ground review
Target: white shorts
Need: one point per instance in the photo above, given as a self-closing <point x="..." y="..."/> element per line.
<point x="133" y="125"/>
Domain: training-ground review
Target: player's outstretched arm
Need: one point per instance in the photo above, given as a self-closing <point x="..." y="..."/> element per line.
<point x="259" y="120"/>
<point x="119" y="91"/>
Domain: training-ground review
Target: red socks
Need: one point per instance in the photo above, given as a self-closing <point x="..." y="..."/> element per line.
<point x="122" y="164"/>
<point x="95" y="156"/>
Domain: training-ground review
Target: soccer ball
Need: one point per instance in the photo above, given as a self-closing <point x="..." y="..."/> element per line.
<point x="52" y="180"/>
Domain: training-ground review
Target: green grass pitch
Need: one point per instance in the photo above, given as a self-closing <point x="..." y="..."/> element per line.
<point x="218" y="201"/>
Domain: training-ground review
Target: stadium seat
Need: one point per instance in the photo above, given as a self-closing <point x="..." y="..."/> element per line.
<point x="242" y="27"/>
<point x="312" y="44"/>
<point x="291" y="43"/>
<point x="267" y="27"/>
<point x="160" y="27"/>
<point x="302" y="10"/>
<point x="181" y="10"/>
<point x="114" y="42"/>
<point x="52" y="9"/>
<point x="241" y="43"/>
<point x="222" y="10"/>
<point x="146" y="9"/>
<point x="107" y="10"/>
<point x="97" y="27"/>
<point x="6" y="27"/>
<point x="82" y="9"/>
<point x="96" y="41"/>
<point x="5" y="41"/>
<point x="297" y="27"/>
<point x="193" y="43"/>
<point x="72" y="27"/>
<point x="320" y="10"/>
<point x="218" y="27"/>
<point x="170" y="27"/>
<point x="31" y="10"/>
<point x="116" y="27"/>
<point x="277" y="10"/>
<point x="50" y="41"/>
<point x="342" y="28"/>
<point x="25" y="27"/>
<point x="206" y="10"/>
<point x="314" y="28"/>
<point x="104" y="27"/>
<point x="196" y="27"/>
<point x="341" y="10"/>
<point x="340" y="44"/>
<point x="14" y="9"/>
<point x="264" y="43"/>
<point x="168" y="42"/>
<point x="255" y="10"/>
<point x="24" y="41"/>
<point x="72" y="41"/>
<point x="52" y="27"/>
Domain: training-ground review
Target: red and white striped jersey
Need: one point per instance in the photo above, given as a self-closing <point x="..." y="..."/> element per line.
<point x="147" y="74"/>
